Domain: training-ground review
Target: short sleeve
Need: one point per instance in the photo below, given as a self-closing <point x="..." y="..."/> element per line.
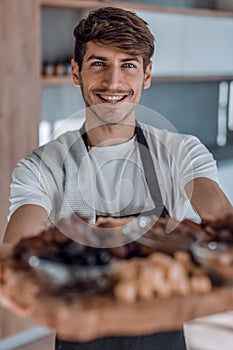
<point x="26" y="187"/>
<point x="197" y="161"/>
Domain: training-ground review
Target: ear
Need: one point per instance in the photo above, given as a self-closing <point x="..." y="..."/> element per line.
<point x="147" y="77"/>
<point x="75" y="72"/>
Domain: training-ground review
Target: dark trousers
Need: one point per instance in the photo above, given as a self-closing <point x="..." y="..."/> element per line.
<point x="157" y="341"/>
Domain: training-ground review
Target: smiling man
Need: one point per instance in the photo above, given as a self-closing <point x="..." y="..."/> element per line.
<point x="111" y="79"/>
<point x="114" y="166"/>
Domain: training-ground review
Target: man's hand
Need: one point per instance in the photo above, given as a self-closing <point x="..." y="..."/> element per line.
<point x="22" y="294"/>
<point x="17" y="290"/>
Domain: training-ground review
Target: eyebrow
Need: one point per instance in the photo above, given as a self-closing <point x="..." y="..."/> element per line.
<point x="102" y="58"/>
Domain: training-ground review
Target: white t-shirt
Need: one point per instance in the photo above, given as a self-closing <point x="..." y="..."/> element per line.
<point x="119" y="177"/>
<point x="120" y="180"/>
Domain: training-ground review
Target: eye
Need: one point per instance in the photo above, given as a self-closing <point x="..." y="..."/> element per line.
<point x="129" y="65"/>
<point x="97" y="64"/>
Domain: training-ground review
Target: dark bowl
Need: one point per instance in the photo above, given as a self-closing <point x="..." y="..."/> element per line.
<point x="71" y="279"/>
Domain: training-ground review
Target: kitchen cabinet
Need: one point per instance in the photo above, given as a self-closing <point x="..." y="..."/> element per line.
<point x="184" y="48"/>
<point x="182" y="34"/>
<point x="226" y="5"/>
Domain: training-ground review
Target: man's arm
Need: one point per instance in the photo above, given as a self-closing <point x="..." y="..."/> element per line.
<point x="207" y="198"/>
<point x="27" y="220"/>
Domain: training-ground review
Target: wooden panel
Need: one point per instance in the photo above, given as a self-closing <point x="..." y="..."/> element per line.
<point x="19" y="88"/>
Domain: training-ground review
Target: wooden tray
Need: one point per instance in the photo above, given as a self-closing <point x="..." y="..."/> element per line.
<point x="104" y="316"/>
<point x="86" y="319"/>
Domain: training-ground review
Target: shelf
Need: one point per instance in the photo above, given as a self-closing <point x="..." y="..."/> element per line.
<point x="57" y="80"/>
<point x="85" y="5"/>
<point x="184" y="38"/>
<point x="67" y="80"/>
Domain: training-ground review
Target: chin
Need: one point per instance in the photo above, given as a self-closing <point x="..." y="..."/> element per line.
<point x="113" y="113"/>
<point x="112" y="122"/>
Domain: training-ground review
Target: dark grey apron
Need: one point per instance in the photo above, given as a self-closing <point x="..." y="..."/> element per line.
<point x="157" y="341"/>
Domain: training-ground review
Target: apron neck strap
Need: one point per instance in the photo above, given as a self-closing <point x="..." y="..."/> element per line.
<point x="148" y="167"/>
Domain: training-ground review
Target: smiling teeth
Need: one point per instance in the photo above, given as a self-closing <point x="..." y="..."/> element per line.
<point x="112" y="99"/>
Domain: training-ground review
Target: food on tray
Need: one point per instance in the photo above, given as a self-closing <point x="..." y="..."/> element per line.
<point x="52" y="242"/>
<point x="156" y="264"/>
<point x="159" y="275"/>
<point x="82" y="269"/>
<point x="103" y="232"/>
<point x="215" y="253"/>
<point x="220" y="229"/>
<point x="168" y="235"/>
<point x="216" y="257"/>
<point x="138" y="288"/>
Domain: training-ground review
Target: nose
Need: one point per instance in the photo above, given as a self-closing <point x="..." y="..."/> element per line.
<point x="113" y="78"/>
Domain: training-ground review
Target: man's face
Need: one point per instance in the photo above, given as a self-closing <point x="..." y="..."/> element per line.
<point x="111" y="82"/>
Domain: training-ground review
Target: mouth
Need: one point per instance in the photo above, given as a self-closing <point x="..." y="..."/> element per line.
<point x="112" y="98"/>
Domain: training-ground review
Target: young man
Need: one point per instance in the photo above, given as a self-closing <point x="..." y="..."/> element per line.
<point x="114" y="165"/>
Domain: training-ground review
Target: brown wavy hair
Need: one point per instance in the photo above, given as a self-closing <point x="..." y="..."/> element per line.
<point x="117" y="28"/>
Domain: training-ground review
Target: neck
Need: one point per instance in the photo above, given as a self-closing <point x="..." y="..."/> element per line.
<point x="109" y="134"/>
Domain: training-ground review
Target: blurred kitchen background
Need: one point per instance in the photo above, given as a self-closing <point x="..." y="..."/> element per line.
<point x="192" y="76"/>
<point x="192" y="87"/>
